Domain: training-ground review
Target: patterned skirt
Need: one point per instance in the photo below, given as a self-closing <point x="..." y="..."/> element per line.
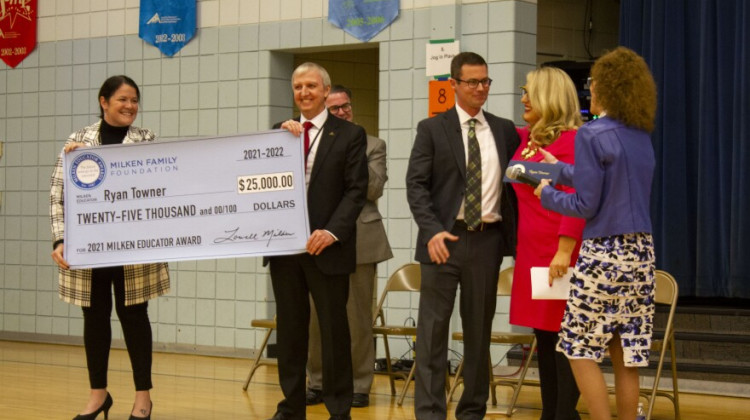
<point x="612" y="292"/>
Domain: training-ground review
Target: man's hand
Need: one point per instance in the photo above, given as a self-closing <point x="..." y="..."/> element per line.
<point x="57" y="257"/>
<point x="319" y="240"/>
<point x="436" y="247"/>
<point x="292" y="126"/>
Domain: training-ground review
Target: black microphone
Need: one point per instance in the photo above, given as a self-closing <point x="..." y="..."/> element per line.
<point x="516" y="173"/>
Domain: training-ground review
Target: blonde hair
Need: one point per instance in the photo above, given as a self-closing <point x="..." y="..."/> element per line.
<point x="553" y="95"/>
<point x="625" y="88"/>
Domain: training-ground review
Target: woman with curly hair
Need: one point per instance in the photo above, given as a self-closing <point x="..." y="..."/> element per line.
<point x="546" y="239"/>
<point x="611" y="302"/>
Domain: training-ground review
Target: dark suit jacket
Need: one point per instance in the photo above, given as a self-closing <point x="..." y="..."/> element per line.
<point x="337" y="191"/>
<point x="436" y="177"/>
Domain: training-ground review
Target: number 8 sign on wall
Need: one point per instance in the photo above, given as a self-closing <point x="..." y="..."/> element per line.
<point x="17" y="30"/>
<point x="167" y="24"/>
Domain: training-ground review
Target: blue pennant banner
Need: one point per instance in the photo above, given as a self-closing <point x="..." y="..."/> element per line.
<point x="167" y="24"/>
<point x="362" y="19"/>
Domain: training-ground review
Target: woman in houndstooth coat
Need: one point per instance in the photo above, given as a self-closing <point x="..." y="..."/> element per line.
<point x="91" y="289"/>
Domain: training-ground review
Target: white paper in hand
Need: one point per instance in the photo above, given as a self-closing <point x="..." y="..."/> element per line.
<point x="540" y="288"/>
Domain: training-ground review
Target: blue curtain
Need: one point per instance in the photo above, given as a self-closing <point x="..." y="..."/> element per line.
<point x="699" y="53"/>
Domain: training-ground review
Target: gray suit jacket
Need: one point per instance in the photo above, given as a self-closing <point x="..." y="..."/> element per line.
<point x="372" y="242"/>
<point x="436" y="177"/>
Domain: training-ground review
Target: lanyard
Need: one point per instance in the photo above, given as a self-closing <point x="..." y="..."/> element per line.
<point x="313" y="142"/>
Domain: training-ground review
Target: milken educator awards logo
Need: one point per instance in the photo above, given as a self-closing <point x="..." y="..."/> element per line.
<point x="88" y="171"/>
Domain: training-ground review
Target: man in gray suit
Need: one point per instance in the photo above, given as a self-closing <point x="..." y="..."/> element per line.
<point x="466" y="219"/>
<point x="372" y="248"/>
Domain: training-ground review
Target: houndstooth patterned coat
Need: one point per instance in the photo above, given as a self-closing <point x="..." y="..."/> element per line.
<point x="142" y="281"/>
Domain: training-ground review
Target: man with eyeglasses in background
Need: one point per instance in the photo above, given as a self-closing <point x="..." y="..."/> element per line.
<point x="466" y="220"/>
<point x="372" y="248"/>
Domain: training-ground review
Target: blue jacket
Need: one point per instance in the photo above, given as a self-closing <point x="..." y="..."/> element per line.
<point x="612" y="177"/>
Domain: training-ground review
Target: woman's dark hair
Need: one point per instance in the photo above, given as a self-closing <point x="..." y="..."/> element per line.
<point x="110" y="86"/>
<point x="625" y="88"/>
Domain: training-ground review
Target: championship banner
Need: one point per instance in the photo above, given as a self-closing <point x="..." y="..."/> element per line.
<point x="17" y="30"/>
<point x="362" y="19"/>
<point x="193" y="199"/>
<point x="167" y="24"/>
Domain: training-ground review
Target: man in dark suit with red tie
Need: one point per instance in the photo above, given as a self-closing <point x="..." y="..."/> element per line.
<point x="466" y="222"/>
<point x="336" y="177"/>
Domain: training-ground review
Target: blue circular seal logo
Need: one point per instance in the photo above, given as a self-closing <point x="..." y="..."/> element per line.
<point x="88" y="171"/>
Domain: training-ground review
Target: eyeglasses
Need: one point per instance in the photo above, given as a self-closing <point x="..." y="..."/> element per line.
<point x="473" y="83"/>
<point x="588" y="82"/>
<point x="524" y="91"/>
<point x="334" y="109"/>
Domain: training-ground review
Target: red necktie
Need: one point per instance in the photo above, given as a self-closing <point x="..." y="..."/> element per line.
<point x="307" y="125"/>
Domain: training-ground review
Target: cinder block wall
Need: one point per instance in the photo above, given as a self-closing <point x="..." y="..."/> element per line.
<point x="232" y="78"/>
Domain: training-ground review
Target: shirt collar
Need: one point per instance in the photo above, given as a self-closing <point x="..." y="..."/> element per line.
<point x="464" y="116"/>
<point x="317" y="120"/>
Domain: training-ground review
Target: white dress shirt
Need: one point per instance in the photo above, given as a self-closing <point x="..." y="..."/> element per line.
<point x="315" y="135"/>
<point x="491" y="179"/>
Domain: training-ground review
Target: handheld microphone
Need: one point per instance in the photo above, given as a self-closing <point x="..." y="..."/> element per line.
<point x="516" y="173"/>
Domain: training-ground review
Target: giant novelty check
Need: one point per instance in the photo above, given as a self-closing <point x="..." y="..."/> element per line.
<point x="182" y="200"/>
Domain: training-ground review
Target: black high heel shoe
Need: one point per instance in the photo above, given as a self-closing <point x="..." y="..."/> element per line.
<point x="132" y="417"/>
<point x="106" y="405"/>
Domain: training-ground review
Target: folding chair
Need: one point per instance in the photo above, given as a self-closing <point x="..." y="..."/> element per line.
<point x="504" y="285"/>
<point x="407" y="278"/>
<point x="270" y="325"/>
<point x="665" y="294"/>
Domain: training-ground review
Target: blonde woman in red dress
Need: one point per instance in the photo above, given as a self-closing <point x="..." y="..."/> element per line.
<point x="546" y="238"/>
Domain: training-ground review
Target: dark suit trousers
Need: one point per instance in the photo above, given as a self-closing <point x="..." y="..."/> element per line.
<point x="295" y="278"/>
<point x="473" y="265"/>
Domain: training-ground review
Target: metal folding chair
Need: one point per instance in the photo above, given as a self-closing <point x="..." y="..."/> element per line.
<point x="407" y="278"/>
<point x="269" y="325"/>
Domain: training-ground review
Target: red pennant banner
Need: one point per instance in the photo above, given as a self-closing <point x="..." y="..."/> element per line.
<point x="17" y="30"/>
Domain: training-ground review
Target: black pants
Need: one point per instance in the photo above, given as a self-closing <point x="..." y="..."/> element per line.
<point x="97" y="331"/>
<point x="296" y="278"/>
<point x="473" y="266"/>
<point x="559" y="391"/>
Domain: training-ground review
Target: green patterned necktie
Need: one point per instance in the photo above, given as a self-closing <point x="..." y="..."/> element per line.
<point x="473" y="205"/>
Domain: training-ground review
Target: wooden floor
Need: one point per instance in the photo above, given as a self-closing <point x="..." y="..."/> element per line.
<point x="43" y="381"/>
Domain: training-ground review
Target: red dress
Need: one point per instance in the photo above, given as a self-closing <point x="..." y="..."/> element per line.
<point x="538" y="233"/>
